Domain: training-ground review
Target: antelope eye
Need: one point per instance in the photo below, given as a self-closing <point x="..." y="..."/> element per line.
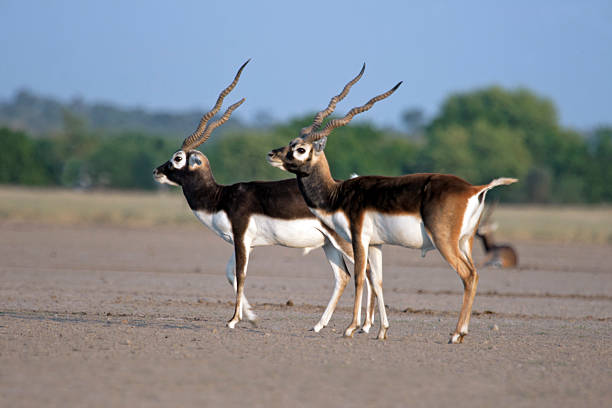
<point x="301" y="150"/>
<point x="178" y="159"/>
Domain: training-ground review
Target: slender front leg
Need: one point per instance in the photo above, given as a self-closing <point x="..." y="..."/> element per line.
<point x="241" y="253"/>
<point x="230" y="273"/>
<point x="375" y="260"/>
<point x="360" y="246"/>
<point x="341" y="275"/>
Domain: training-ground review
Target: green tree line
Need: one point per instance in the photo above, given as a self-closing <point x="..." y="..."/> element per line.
<point x="478" y="135"/>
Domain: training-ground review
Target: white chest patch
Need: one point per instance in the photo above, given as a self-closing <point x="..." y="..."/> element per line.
<point x="218" y="223"/>
<point x="471" y="217"/>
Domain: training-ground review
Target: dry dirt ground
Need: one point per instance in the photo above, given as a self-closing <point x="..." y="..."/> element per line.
<point x="98" y="316"/>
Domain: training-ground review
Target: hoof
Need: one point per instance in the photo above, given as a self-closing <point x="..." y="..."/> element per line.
<point x="349" y="333"/>
<point x="365" y="329"/>
<point x="382" y="334"/>
<point x="317" y="328"/>
<point x="232" y="323"/>
<point x="457" y="338"/>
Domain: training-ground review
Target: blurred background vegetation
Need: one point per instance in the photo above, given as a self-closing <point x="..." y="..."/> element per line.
<point x="478" y="135"/>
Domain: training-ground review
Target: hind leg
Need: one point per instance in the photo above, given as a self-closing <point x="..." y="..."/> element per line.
<point x="459" y="258"/>
<point x="375" y="278"/>
<point x="469" y="277"/>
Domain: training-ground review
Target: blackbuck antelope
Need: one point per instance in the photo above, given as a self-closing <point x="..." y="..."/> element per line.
<point x="497" y="255"/>
<point x="252" y="214"/>
<point x="422" y="211"/>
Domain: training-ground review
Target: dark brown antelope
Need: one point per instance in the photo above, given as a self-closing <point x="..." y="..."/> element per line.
<point x="252" y="214"/>
<point x="497" y="255"/>
<point x="422" y="211"/>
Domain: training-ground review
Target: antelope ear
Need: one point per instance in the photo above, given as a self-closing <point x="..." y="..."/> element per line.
<point x="194" y="161"/>
<point x="319" y="145"/>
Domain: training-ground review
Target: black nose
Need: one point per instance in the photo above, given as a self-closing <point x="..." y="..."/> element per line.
<point x="270" y="154"/>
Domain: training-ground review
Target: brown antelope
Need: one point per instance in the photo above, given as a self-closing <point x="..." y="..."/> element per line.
<point x="422" y="211"/>
<point x="497" y="255"/>
<point x="253" y="214"/>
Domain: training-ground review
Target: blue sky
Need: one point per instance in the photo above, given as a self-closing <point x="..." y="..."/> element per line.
<point x="179" y="54"/>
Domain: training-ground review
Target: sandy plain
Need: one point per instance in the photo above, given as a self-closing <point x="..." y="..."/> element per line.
<point x="100" y="316"/>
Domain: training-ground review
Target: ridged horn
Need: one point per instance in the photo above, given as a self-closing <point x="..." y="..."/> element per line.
<point x="318" y="119"/>
<point x="216" y="124"/>
<point x="191" y="140"/>
<point x="333" y="124"/>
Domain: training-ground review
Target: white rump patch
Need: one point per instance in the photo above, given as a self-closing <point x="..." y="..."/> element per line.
<point x="473" y="210"/>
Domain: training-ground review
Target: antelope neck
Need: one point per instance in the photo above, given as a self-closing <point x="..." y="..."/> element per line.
<point x="319" y="188"/>
<point x="203" y="192"/>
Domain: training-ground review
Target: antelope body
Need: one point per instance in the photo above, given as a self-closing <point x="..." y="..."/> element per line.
<point x="422" y="211"/>
<point x="252" y="214"/>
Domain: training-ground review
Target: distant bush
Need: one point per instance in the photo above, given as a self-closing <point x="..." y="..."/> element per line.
<point x="20" y="161"/>
<point x="477" y="135"/>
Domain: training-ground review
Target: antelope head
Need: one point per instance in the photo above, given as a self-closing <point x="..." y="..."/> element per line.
<point x="187" y="161"/>
<point x="306" y="151"/>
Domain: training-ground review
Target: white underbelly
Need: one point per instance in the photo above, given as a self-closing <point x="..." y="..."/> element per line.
<point x="263" y="230"/>
<point x="300" y="233"/>
<point x="404" y="230"/>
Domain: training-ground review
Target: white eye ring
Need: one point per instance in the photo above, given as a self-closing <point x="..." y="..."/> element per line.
<point x="177" y="160"/>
